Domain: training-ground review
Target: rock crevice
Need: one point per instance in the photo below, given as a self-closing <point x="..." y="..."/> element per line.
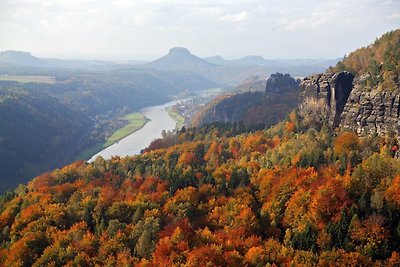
<point x="346" y="103"/>
<point x="326" y="94"/>
<point x="370" y="112"/>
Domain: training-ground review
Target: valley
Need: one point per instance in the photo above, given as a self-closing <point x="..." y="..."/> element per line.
<point x="90" y="100"/>
<point x="74" y="114"/>
<point x="188" y="159"/>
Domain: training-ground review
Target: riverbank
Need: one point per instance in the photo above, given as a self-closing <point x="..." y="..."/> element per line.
<point x="136" y="121"/>
<point x="133" y="144"/>
<point x="180" y="120"/>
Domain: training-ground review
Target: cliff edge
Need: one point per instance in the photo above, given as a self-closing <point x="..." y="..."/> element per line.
<point x="362" y="93"/>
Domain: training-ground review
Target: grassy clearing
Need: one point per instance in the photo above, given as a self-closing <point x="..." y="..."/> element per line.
<point x="177" y="118"/>
<point x="135" y="122"/>
<point x="28" y="79"/>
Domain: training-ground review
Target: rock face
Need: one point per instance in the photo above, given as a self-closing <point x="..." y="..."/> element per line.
<point x="278" y="83"/>
<point x="369" y="112"/>
<point x="347" y="104"/>
<point x="326" y="95"/>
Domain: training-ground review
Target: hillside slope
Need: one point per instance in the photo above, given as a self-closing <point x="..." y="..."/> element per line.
<point x="288" y="195"/>
<point x="266" y="102"/>
<point x="18" y="58"/>
<point x="37" y="133"/>
<point x="46" y="125"/>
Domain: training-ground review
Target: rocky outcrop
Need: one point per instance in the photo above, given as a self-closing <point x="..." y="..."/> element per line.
<point x="325" y="95"/>
<point x="346" y="103"/>
<point x="278" y="97"/>
<point x="373" y="111"/>
<point x="279" y="83"/>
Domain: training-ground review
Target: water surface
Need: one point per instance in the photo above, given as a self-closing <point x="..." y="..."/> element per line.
<point x="133" y="143"/>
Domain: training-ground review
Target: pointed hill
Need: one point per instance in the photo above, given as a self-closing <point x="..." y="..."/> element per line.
<point x="180" y="58"/>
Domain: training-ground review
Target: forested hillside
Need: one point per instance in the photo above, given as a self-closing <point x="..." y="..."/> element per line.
<point x="288" y="195"/>
<point x="362" y="93"/>
<point x="380" y="62"/>
<point x="256" y="102"/>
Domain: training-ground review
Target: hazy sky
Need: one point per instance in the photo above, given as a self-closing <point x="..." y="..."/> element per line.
<point x="146" y="29"/>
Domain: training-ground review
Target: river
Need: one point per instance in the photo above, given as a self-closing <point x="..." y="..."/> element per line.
<point x="132" y="144"/>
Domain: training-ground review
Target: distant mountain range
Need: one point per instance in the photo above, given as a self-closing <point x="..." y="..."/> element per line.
<point x="247" y="60"/>
<point x="25" y="59"/>
<point x="260" y="61"/>
<point x="231" y="72"/>
<point x="215" y="69"/>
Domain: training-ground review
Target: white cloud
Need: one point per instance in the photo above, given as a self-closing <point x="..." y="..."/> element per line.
<point x="395" y="16"/>
<point x="142" y="18"/>
<point x="262" y="27"/>
<point x="241" y="16"/>
<point x="315" y="20"/>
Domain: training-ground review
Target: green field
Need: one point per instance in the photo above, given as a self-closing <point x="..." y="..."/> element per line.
<point x="135" y="122"/>
<point x="177" y="118"/>
<point x="28" y="79"/>
<point x="212" y="91"/>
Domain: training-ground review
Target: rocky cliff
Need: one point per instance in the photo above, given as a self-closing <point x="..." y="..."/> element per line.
<point x="345" y="102"/>
<point x="369" y="112"/>
<point x="325" y="95"/>
<point x="279" y="83"/>
<point x="366" y="103"/>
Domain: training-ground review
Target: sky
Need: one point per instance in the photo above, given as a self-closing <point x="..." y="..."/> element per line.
<point x="147" y="29"/>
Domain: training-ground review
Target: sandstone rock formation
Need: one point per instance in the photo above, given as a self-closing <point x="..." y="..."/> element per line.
<point x="326" y="95"/>
<point x="346" y="103"/>
<point x="374" y="111"/>
<point x="278" y="83"/>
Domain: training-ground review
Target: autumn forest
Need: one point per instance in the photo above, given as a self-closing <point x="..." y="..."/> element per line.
<point x="287" y="195"/>
<point x="312" y="190"/>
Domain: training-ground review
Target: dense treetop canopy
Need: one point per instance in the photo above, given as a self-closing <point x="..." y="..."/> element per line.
<point x="215" y="196"/>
